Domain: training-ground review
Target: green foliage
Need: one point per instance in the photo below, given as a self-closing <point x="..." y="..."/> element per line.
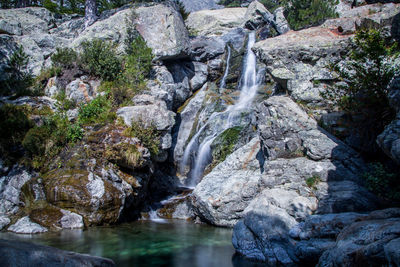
<point x="364" y="82"/>
<point x="96" y="111"/>
<point x="63" y="103"/>
<point x="225" y="143"/>
<point x="137" y="66"/>
<point x="182" y="10"/>
<point x="64" y="58"/>
<point x="50" y="5"/>
<point x="99" y="58"/>
<point x="313" y="181"/>
<point x="19" y="79"/>
<point x="382" y="182"/>
<point x="305" y="13"/>
<point x="14" y="125"/>
<point x="149" y="136"/>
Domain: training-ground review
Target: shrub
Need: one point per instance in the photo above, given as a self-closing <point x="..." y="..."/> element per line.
<point x="14" y="125"/>
<point x="313" y="181"/>
<point x="382" y="182"/>
<point x="149" y="136"/>
<point x="137" y="66"/>
<point x="182" y="10"/>
<point x="99" y="59"/>
<point x="364" y="83"/>
<point x="19" y="79"/>
<point x="50" y="5"/>
<point x="96" y="111"/>
<point x="64" y="58"/>
<point x="305" y="13"/>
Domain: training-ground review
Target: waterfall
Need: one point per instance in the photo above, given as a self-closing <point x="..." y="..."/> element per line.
<point x="198" y="154"/>
<point x="223" y="81"/>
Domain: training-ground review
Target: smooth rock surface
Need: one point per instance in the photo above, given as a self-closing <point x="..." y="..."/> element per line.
<point x="26" y="226"/>
<point x="17" y="253"/>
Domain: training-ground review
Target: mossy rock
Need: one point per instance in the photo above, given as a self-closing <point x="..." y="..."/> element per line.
<point x="48" y="216"/>
<point x="224" y="144"/>
<point x="68" y="189"/>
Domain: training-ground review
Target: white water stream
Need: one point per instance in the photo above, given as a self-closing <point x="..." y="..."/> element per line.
<point x="197" y="154"/>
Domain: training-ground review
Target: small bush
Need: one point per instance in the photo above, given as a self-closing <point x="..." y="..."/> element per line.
<point x="19" y="79"/>
<point x="363" y="89"/>
<point x="14" y="125"/>
<point x="98" y="58"/>
<point x="149" y="136"/>
<point x="382" y="182"/>
<point x="51" y="6"/>
<point x="137" y="66"/>
<point x="65" y="58"/>
<point x="96" y="111"/>
<point x="305" y="13"/>
<point x="182" y="10"/>
<point x="313" y="181"/>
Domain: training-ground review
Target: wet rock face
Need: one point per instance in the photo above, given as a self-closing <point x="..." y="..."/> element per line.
<point x="15" y="253"/>
<point x="293" y="167"/>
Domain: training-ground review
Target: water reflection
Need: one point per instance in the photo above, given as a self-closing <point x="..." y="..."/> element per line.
<point x="146" y="243"/>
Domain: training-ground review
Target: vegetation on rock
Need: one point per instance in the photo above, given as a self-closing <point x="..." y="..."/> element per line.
<point x="149" y="136"/>
<point x="382" y="181"/>
<point x="225" y="144"/>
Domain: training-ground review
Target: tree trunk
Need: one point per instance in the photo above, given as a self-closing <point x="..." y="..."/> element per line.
<point x="90" y="12"/>
<point x="22" y="3"/>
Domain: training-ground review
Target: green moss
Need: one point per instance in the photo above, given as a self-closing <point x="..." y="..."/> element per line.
<point x="224" y="144"/>
<point x="313" y="181"/>
<point x="149" y="136"/>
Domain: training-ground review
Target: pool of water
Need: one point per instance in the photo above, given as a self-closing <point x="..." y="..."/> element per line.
<point x="147" y="243"/>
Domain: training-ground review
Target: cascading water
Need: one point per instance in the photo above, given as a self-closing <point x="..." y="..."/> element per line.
<point x="223" y="81"/>
<point x="199" y="153"/>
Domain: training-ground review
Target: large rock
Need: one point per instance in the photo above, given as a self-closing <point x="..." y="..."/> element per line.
<point x="373" y="241"/>
<point x="343" y="239"/>
<point x="389" y="140"/>
<point x="296" y="168"/>
<point x="164" y="31"/>
<point x="17" y="253"/>
<point x="192" y="6"/>
<point x="215" y="22"/>
<point x="156" y="115"/>
<point x="26" y="226"/>
<point x="298" y="61"/>
<point x="10" y="189"/>
<point x="256" y="15"/>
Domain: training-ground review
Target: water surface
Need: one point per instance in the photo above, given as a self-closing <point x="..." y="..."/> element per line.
<point x="147" y="243"/>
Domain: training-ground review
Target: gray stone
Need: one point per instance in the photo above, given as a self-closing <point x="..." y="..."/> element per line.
<point x="26" y="226"/>
<point x="215" y="22"/>
<point x="363" y="241"/>
<point x="206" y="48"/>
<point x="71" y="220"/>
<point x="192" y="6"/>
<point x="392" y="253"/>
<point x="154" y="114"/>
<point x="200" y="76"/>
<point x="17" y="253"/>
<point x="10" y="189"/>
<point x="280" y="22"/>
<point x="256" y="15"/>
<point x="389" y="140"/>
<point x="4" y="221"/>
<point x="164" y="31"/>
<point x="295" y="150"/>
<point x="79" y="91"/>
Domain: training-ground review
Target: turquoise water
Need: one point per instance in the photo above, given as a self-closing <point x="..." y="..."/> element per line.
<point x="147" y="243"/>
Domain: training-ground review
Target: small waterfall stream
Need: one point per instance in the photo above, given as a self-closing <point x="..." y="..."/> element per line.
<point x="223" y="81"/>
<point x="198" y="153"/>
